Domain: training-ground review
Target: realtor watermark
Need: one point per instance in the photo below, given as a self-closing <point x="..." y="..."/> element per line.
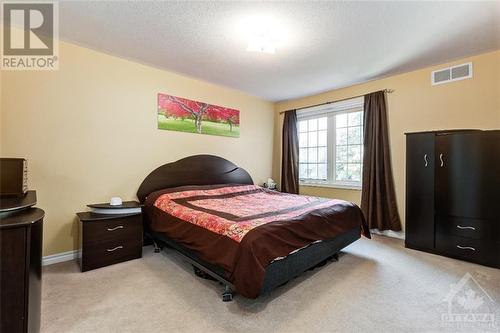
<point x="30" y="37"/>
<point x="470" y="307"/>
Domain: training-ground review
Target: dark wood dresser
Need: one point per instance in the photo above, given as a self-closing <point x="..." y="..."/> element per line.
<point x="107" y="239"/>
<point x="453" y="193"/>
<point x="21" y="228"/>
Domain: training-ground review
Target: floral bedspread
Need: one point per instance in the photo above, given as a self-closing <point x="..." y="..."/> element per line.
<point x="233" y="211"/>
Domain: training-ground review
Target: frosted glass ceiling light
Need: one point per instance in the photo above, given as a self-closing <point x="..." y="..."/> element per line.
<point x="263" y="34"/>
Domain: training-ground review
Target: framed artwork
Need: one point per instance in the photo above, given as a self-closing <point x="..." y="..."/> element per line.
<point x="182" y="114"/>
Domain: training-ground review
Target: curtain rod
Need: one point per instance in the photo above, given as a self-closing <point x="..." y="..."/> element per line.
<point x="388" y="91"/>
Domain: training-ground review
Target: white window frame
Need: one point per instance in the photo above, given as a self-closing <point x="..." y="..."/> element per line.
<point x="330" y="111"/>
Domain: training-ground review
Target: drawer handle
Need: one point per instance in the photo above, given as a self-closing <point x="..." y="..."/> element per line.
<point x="441" y="159"/>
<point x="115" y="248"/>
<point x="466" y="227"/>
<point x="466" y="248"/>
<point x="425" y="159"/>
<point x="113" y="229"/>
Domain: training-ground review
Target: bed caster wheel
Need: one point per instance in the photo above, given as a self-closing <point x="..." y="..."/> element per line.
<point x="335" y="257"/>
<point x="157" y="247"/>
<point x="227" y="297"/>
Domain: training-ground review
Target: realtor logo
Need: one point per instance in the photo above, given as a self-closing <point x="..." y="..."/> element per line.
<point x="30" y="36"/>
<point x="469" y="307"/>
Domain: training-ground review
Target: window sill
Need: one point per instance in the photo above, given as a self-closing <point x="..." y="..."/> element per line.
<point x="331" y="185"/>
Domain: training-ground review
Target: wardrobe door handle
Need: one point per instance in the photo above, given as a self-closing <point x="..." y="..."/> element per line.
<point x="425" y="159"/>
<point x="115" y="248"/>
<point x="466" y="248"/>
<point x="441" y="159"/>
<point x="466" y="227"/>
<point x="113" y="229"/>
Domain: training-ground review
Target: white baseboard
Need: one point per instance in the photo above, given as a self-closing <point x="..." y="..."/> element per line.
<point x="60" y="257"/>
<point x="389" y="233"/>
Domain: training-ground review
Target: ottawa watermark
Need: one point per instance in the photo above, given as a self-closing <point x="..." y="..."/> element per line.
<point x="470" y="308"/>
<point x="30" y="37"/>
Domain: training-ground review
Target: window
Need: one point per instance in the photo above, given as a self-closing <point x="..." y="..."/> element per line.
<point x="331" y="144"/>
<point x="313" y="145"/>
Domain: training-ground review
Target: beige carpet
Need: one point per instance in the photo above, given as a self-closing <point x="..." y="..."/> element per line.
<point x="377" y="285"/>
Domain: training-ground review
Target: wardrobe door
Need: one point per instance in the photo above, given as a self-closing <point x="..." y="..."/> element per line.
<point x="467" y="174"/>
<point x="420" y="164"/>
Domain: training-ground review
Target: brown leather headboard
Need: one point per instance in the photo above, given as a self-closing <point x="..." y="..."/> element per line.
<point x="193" y="170"/>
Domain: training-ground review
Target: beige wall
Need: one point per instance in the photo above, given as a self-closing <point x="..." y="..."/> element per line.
<point x="89" y="132"/>
<point x="89" y="129"/>
<point x="415" y="106"/>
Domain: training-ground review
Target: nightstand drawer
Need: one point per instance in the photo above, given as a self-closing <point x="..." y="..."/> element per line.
<point x="126" y="229"/>
<point x="110" y="252"/>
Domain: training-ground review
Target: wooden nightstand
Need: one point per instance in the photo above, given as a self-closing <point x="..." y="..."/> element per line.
<point x="107" y="239"/>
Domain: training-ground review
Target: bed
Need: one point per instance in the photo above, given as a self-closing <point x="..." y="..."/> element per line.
<point x="250" y="239"/>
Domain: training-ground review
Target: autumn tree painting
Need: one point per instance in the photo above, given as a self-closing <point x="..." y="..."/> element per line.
<point x="181" y="114"/>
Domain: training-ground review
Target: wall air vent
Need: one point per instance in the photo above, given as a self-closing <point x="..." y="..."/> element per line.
<point x="450" y="74"/>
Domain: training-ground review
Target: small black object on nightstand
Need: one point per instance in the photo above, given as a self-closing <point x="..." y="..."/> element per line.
<point x="107" y="239"/>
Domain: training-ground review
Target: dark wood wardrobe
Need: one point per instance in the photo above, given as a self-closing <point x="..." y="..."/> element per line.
<point x="453" y="194"/>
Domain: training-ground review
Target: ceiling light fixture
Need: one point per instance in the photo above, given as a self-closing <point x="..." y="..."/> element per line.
<point x="263" y="41"/>
<point x="264" y="34"/>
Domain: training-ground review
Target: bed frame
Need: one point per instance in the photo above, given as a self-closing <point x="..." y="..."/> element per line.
<point x="210" y="170"/>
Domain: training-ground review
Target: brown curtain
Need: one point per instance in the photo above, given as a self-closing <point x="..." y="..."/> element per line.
<point x="290" y="154"/>
<point x="378" y="198"/>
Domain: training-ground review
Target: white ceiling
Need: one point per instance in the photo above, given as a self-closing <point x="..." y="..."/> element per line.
<point x="328" y="44"/>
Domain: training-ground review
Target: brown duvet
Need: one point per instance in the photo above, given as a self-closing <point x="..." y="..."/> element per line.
<point x="243" y="228"/>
